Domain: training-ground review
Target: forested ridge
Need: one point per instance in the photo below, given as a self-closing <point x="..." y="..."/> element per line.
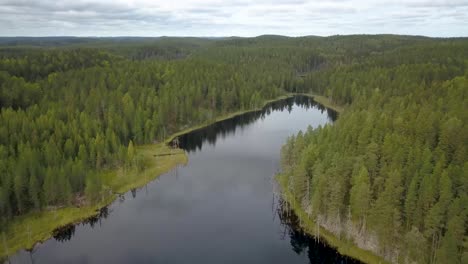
<point x="391" y="173"/>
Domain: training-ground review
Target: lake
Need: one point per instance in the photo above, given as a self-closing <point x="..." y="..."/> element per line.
<point x="220" y="208"/>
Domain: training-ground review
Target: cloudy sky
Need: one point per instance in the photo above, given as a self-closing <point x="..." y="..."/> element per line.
<point x="439" y="18"/>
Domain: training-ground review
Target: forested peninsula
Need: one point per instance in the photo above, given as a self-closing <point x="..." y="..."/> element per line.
<point x="82" y="119"/>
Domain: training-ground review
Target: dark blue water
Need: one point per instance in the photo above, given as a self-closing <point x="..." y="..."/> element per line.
<point x="220" y="208"/>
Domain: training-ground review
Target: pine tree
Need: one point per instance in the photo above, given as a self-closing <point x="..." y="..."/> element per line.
<point x="412" y="215"/>
<point x="360" y="195"/>
<point x="386" y="214"/>
<point x="414" y="242"/>
<point x="49" y="187"/>
<point x="20" y="186"/>
<point x="131" y="154"/>
<point x="34" y="192"/>
<point x="93" y="187"/>
<point x="448" y="251"/>
<point x="445" y="190"/>
<point x="83" y="155"/>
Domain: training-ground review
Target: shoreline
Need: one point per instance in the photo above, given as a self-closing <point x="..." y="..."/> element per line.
<point x="226" y="116"/>
<point x="317" y="98"/>
<point x="344" y="247"/>
<point x="26" y="231"/>
<point x="325" y="101"/>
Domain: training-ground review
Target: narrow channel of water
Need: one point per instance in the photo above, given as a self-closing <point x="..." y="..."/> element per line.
<point x="220" y="208"/>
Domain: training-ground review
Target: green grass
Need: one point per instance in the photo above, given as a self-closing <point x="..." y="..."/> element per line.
<point x="26" y="230"/>
<point x="121" y="180"/>
<point x="343" y="246"/>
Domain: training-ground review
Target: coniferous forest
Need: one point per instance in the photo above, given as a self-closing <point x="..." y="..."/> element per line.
<point x="391" y="174"/>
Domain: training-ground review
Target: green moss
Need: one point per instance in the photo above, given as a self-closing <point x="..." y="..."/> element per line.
<point x="343" y="246"/>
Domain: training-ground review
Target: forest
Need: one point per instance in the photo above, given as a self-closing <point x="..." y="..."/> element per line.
<point x="390" y="174"/>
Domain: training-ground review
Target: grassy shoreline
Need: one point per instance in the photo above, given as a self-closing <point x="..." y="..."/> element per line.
<point x="344" y="247"/>
<point x="25" y="231"/>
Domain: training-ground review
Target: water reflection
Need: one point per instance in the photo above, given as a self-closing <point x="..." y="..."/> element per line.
<point x="301" y="242"/>
<point x="219" y="204"/>
<point x="194" y="140"/>
<point x="66" y="233"/>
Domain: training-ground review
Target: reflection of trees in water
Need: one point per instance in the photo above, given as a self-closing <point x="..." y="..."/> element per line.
<point x="65" y="233"/>
<point x="5" y="260"/>
<point x="194" y="140"/>
<point x="301" y="242"/>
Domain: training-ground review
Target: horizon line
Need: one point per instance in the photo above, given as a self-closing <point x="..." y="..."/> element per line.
<point x="233" y="36"/>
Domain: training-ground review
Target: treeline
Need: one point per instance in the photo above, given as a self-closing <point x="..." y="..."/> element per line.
<point x="63" y="124"/>
<point x="423" y="63"/>
<point x="35" y="64"/>
<point x="391" y="173"/>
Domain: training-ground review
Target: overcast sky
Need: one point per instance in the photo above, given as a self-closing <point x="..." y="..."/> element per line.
<point x="441" y="18"/>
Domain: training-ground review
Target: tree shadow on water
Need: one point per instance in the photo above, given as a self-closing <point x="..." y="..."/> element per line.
<point x="66" y="233"/>
<point x="301" y="242"/>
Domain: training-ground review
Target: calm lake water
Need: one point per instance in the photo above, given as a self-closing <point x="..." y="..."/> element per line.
<point x="220" y="208"/>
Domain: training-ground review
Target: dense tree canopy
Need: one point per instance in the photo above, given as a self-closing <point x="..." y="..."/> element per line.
<point x="69" y="112"/>
<point x="392" y="169"/>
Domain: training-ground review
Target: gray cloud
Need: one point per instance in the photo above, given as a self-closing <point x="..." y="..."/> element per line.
<point x="232" y="17"/>
<point x="437" y="3"/>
